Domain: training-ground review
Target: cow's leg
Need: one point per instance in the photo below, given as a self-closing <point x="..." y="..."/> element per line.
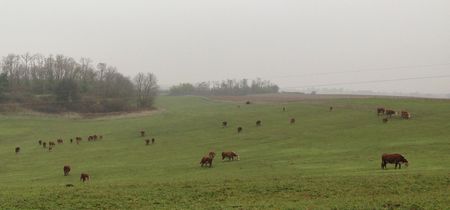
<point x="399" y="165"/>
<point x="396" y="165"/>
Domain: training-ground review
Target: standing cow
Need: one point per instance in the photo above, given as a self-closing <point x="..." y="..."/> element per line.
<point x="381" y="111"/>
<point x="207" y="160"/>
<point x="84" y="177"/>
<point x="40" y="142"/>
<point x="292" y="121"/>
<point x="230" y="155"/>
<point x="396" y="159"/>
<point x="258" y="123"/>
<point x="224" y="124"/>
<point x="142" y="133"/>
<point x="406" y="115"/>
<point x="153" y="140"/>
<point x="147" y="141"/>
<point x="17" y="150"/>
<point x="390" y="112"/>
<point x="66" y="170"/>
<point x="239" y="129"/>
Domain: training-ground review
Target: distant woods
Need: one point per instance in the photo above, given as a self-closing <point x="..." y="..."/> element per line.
<point x="225" y="87"/>
<point x="60" y="83"/>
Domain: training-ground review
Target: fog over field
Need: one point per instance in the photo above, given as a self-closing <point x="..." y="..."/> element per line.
<point x="299" y="45"/>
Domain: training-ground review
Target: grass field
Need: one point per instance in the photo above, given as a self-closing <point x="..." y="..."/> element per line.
<point x="327" y="160"/>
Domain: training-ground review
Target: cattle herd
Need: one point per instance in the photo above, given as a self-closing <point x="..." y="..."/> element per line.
<point x="207" y="160"/>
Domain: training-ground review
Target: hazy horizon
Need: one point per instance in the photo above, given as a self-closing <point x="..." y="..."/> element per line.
<point x="296" y="44"/>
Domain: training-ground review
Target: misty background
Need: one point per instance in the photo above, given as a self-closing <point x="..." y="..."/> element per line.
<point x="347" y="45"/>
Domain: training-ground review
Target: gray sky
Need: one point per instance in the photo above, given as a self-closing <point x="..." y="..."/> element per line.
<point x="288" y="42"/>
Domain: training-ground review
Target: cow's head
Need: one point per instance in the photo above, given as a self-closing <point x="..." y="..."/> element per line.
<point x="405" y="162"/>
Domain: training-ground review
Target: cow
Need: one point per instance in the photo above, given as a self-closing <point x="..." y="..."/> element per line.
<point x="239" y="129"/>
<point x="390" y="112"/>
<point x="60" y="141"/>
<point x="90" y="138"/>
<point x="51" y="143"/>
<point x="44" y="144"/>
<point x="381" y="111"/>
<point x="78" y="138"/>
<point x="331" y="108"/>
<point x="66" y="170"/>
<point x="17" y="150"/>
<point x="405" y="115"/>
<point x="230" y="155"/>
<point x="153" y="140"/>
<point x="84" y="177"/>
<point x="396" y="159"/>
<point x="247" y="102"/>
<point x="224" y="124"/>
<point x="284" y="109"/>
<point x="71" y="141"/>
<point x="142" y="133"/>
<point x="40" y="142"/>
<point x="292" y="120"/>
<point x="95" y="137"/>
<point x="100" y="137"/>
<point x="50" y="148"/>
<point x="258" y="123"/>
<point x="147" y="141"/>
<point x="207" y="160"/>
<point x="385" y="120"/>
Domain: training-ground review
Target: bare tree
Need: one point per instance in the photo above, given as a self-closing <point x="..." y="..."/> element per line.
<point x="146" y="89"/>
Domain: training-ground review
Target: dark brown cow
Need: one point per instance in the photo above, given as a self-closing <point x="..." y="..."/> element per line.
<point x="71" y="141"/>
<point x="239" y="129"/>
<point x="17" y="150"/>
<point x="90" y="138"/>
<point x="44" y="144"/>
<point x="381" y="111"/>
<point x="292" y="120"/>
<point x="247" y="102"/>
<point x="230" y="155"/>
<point x="385" y="120"/>
<point x="50" y="148"/>
<point x="207" y="160"/>
<point x="66" y="170"/>
<point x="59" y="141"/>
<point x="284" y="109"/>
<point x="406" y="115"/>
<point x="78" y="138"/>
<point x="390" y="112"/>
<point x="153" y="140"/>
<point x="84" y="177"/>
<point x="40" y="142"/>
<point x="331" y="108"/>
<point x="147" y="141"/>
<point x="95" y="137"/>
<point x="224" y="124"/>
<point x="258" y="123"/>
<point x="51" y="143"/>
<point x="396" y="159"/>
<point x="142" y="133"/>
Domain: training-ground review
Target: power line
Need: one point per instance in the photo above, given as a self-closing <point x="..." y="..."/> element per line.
<point x="373" y="81"/>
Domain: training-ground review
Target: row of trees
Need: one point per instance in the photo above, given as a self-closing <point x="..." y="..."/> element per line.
<point x="60" y="83"/>
<point x="225" y="87"/>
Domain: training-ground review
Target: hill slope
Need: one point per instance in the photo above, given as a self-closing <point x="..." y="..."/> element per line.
<point x="325" y="160"/>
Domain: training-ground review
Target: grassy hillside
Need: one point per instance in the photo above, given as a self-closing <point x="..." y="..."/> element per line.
<point x="327" y="160"/>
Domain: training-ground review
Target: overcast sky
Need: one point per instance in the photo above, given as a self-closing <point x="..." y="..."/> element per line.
<point x="291" y="43"/>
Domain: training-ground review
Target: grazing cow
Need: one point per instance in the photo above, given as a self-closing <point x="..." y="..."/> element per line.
<point x="406" y="115"/>
<point x="17" y="150"/>
<point x="224" y="124"/>
<point x="380" y="111"/>
<point x="153" y="140"/>
<point x="78" y="138"/>
<point x="239" y="129"/>
<point x="71" y="141"/>
<point x="396" y="159"/>
<point x="385" y="120"/>
<point x="230" y="155"/>
<point x="51" y="143"/>
<point x="331" y="108"/>
<point x="40" y="142"/>
<point x="147" y="141"/>
<point x="44" y="144"/>
<point x="390" y="112"/>
<point x="284" y="109"/>
<point x="60" y="141"/>
<point x="258" y="123"/>
<point x="142" y="133"/>
<point x="66" y="170"/>
<point x="248" y="102"/>
<point x="84" y="177"/>
<point x="292" y="120"/>
<point x="207" y="160"/>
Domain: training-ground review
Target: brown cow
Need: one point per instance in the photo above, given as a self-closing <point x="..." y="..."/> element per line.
<point x="71" y="141"/>
<point x="396" y="159"/>
<point x="230" y="155"/>
<point x="142" y="133"/>
<point x="385" y="120"/>
<point x="44" y="144"/>
<point x="66" y="170"/>
<point x="247" y="102"/>
<point x="406" y="115"/>
<point x="381" y="111"/>
<point x="50" y="148"/>
<point x="292" y="120"/>
<point x="239" y="129"/>
<point x="78" y="138"/>
<point x="284" y="109"/>
<point x="40" y="142"/>
<point x="147" y="141"/>
<point x="17" y="150"/>
<point x="331" y="108"/>
<point x="59" y="141"/>
<point x="258" y="123"/>
<point x="90" y="138"/>
<point x="153" y="140"/>
<point x="207" y="160"/>
<point x="224" y="124"/>
<point x="390" y="112"/>
<point x="51" y="143"/>
<point x="84" y="177"/>
<point x="95" y="137"/>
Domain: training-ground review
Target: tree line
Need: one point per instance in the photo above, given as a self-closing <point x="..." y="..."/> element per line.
<point x="61" y="83"/>
<point x="225" y="87"/>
